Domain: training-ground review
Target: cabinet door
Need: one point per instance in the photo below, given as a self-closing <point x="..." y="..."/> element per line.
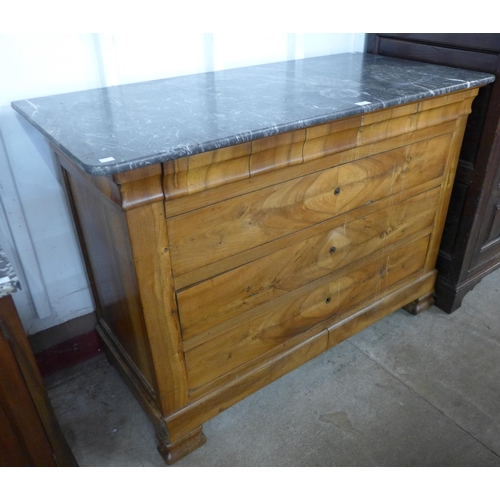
<point x="488" y="246"/>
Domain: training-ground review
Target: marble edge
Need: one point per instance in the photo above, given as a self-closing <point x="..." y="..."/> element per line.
<point x="9" y="282"/>
<point x="231" y="140"/>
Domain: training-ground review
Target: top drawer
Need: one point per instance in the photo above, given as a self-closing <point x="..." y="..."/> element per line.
<point x="217" y="231"/>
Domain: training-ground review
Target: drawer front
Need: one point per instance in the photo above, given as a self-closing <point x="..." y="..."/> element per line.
<point x="270" y="326"/>
<point x="215" y="232"/>
<point x="335" y="244"/>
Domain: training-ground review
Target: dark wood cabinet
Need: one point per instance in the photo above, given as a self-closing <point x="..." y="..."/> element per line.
<point x="470" y="248"/>
<point x="29" y="432"/>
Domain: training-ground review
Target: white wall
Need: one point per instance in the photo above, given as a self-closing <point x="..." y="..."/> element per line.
<point x="35" y="226"/>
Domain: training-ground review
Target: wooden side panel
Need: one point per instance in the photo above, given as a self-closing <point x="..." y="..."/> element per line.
<point x="444" y="201"/>
<point x="107" y="244"/>
<point x="336" y="244"/>
<point x="270" y="326"/>
<point x="13" y="452"/>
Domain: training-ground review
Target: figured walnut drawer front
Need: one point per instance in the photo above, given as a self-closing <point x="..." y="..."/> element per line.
<point x="217" y="231"/>
<point x="272" y="325"/>
<point x="327" y="247"/>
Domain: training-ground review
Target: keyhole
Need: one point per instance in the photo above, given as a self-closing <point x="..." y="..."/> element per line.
<point x="332" y="250"/>
<point x="337" y="191"/>
<point x="328" y="300"/>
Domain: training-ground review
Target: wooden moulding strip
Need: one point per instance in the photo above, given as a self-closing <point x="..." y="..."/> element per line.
<point x="318" y="145"/>
<point x="202" y="410"/>
<point x="279" y="151"/>
<point x="264" y="371"/>
<point x="140" y="187"/>
<point x="133" y="188"/>
<point x="189" y="175"/>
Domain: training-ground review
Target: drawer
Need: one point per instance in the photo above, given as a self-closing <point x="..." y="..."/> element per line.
<point x="217" y="231"/>
<point x="333" y="244"/>
<point x="270" y="326"/>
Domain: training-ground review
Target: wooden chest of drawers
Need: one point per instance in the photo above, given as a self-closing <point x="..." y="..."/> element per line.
<point x="217" y="273"/>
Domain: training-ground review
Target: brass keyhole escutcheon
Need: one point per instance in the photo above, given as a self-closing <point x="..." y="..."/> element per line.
<point x="332" y="250"/>
<point x="337" y="191"/>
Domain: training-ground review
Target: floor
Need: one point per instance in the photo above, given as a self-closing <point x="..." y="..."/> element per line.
<point x="407" y="391"/>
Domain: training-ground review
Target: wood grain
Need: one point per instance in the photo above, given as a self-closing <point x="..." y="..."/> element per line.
<point x="335" y="245"/>
<point x="189" y="175"/>
<point x="203" y="172"/>
<point x="213" y="233"/>
<point x="103" y="233"/>
<point x="259" y="374"/>
<point x="149" y="240"/>
<point x="178" y="206"/>
<point x="297" y="312"/>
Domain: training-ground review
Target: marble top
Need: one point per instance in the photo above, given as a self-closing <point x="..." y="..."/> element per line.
<point x="9" y="282"/>
<point x="114" y="129"/>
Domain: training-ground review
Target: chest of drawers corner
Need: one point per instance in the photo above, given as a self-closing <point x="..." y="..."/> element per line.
<point x="470" y="247"/>
<point x="216" y="273"/>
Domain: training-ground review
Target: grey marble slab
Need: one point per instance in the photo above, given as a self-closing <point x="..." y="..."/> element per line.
<point x="9" y="283"/>
<point x="110" y="130"/>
